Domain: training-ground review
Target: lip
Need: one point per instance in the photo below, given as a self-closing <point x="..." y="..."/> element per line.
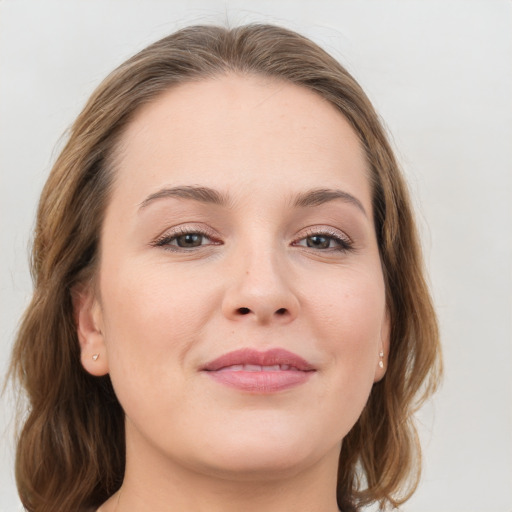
<point x="259" y="372"/>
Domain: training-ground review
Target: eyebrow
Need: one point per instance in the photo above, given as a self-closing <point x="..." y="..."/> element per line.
<point x="195" y="193"/>
<point x="209" y="195"/>
<point x="320" y="196"/>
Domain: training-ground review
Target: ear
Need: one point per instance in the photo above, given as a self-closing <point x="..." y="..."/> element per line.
<point x="381" y="363"/>
<point x="89" y="326"/>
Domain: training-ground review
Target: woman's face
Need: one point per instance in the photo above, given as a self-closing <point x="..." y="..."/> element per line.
<point x="240" y="307"/>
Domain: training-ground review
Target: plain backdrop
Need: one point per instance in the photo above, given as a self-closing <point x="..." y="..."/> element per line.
<point x="440" y="74"/>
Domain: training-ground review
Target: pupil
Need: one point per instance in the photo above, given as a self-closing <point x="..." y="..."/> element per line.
<point x="189" y="240"/>
<point x="318" y="242"/>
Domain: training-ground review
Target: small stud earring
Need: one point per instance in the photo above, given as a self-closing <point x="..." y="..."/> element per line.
<point x="381" y="362"/>
<point x="95" y="357"/>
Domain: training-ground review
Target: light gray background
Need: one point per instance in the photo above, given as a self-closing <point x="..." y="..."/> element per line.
<point x="440" y="74"/>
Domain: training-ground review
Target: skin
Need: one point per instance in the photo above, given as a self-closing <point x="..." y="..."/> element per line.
<point x="159" y="311"/>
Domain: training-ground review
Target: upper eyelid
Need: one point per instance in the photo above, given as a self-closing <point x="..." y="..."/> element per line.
<point x="326" y="231"/>
<point x="185" y="228"/>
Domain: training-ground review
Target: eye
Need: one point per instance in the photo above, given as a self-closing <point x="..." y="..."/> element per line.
<point x="184" y="239"/>
<point x="320" y="242"/>
<point x="325" y="242"/>
<point x="188" y="240"/>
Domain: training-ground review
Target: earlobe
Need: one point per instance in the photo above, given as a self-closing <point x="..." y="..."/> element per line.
<point x="383" y="350"/>
<point x="89" y="326"/>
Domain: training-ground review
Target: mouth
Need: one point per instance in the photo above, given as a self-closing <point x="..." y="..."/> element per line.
<point x="259" y="372"/>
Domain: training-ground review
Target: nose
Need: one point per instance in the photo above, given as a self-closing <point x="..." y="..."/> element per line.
<point x="260" y="291"/>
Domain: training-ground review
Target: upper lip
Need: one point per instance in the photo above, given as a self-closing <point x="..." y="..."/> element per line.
<point x="275" y="356"/>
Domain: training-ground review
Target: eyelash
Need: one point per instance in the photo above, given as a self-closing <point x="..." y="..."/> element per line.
<point x="344" y="244"/>
<point x="165" y="240"/>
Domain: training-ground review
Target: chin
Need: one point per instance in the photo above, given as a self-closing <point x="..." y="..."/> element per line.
<point x="265" y="451"/>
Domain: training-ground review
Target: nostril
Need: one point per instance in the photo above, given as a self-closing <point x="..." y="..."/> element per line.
<point x="244" y="311"/>
<point x="281" y="311"/>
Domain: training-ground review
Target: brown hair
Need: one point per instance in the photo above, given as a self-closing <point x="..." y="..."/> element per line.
<point x="71" y="451"/>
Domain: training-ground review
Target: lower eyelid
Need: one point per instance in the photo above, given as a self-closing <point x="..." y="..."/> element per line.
<point x="172" y="240"/>
<point x="338" y="244"/>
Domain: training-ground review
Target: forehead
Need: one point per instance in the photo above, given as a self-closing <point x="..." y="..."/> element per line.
<point x="240" y="131"/>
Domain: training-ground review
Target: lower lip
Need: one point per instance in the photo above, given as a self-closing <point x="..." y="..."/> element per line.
<point x="260" y="382"/>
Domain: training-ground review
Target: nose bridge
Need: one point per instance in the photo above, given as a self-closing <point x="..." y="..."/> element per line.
<point x="261" y="273"/>
<point x="260" y="288"/>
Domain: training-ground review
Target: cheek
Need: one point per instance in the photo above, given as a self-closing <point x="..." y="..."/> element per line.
<point x="152" y="318"/>
<point x="351" y="309"/>
<point x="143" y="299"/>
<point x="349" y="326"/>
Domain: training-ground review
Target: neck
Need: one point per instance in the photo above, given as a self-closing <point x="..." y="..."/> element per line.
<point x="153" y="482"/>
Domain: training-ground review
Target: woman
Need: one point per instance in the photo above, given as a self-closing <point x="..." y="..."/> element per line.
<point x="229" y="309"/>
